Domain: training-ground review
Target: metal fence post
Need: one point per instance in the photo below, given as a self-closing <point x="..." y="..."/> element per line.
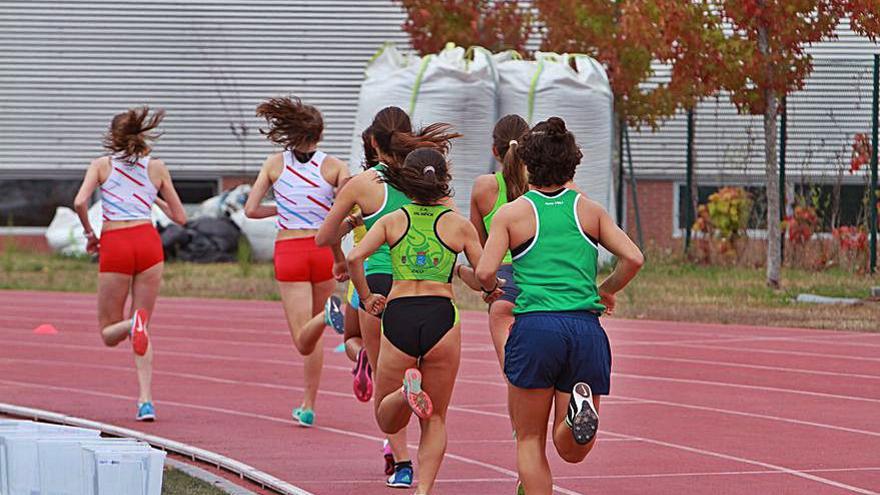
<point x="783" y="141"/>
<point x="635" y="191"/>
<point x="689" y="180"/>
<point x="875" y="122"/>
<point x="621" y="215"/>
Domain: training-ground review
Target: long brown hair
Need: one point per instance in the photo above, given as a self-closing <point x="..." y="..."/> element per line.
<point x="508" y="132"/>
<point x="393" y="132"/>
<point x="423" y="177"/>
<point x="371" y="156"/>
<point x="129" y="135"/>
<point x="292" y="123"/>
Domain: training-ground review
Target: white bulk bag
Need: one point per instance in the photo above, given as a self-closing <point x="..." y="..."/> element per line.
<point x="550" y="87"/>
<point x="260" y="234"/>
<point x="455" y="86"/>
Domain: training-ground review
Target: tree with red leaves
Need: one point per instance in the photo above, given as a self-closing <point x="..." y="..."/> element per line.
<point x="497" y="25"/>
<point x="629" y="37"/>
<point x="773" y="35"/>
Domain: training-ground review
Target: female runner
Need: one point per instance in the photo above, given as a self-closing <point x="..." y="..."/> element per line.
<point x="129" y="248"/>
<point x="557" y="352"/>
<point x="489" y="193"/>
<point x="421" y="334"/>
<point x="303" y="180"/>
<point x="393" y="139"/>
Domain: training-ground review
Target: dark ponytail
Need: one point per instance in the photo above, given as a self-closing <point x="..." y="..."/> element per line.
<point x="371" y="156"/>
<point x="395" y="138"/>
<point x="509" y="130"/>
<point x="129" y="136"/>
<point x="423" y="177"/>
<point x="550" y="152"/>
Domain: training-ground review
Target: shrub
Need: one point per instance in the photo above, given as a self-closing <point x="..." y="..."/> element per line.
<point x="723" y="221"/>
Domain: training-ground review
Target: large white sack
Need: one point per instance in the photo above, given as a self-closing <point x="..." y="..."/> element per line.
<point x="549" y="87"/>
<point x="260" y="234"/>
<point x="455" y="86"/>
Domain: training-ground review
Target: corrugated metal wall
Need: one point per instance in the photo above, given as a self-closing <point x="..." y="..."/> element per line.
<point x="822" y="119"/>
<point x="66" y="67"/>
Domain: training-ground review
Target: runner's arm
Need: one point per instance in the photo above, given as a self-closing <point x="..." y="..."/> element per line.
<point x="170" y="202"/>
<point x="496" y="246"/>
<point x="90" y="182"/>
<point x="629" y="257"/>
<point x="254" y="207"/>
<point x="335" y="227"/>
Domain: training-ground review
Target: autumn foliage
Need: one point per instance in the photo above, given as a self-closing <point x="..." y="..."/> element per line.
<point x="496" y="25"/>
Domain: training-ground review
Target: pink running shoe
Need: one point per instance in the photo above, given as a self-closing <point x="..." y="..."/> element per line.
<point x="363" y="377"/>
<point x="417" y="399"/>
<point x="140" y="341"/>
<point x="389" y="458"/>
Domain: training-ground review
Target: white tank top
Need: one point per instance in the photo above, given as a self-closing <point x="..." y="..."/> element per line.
<point x="303" y="196"/>
<point x="128" y="193"/>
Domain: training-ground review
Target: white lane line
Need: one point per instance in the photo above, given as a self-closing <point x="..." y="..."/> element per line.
<point x="768" y="351"/>
<point x="744" y="460"/>
<point x="744" y="365"/>
<point x="511" y="474"/>
<point x="243" y="470"/>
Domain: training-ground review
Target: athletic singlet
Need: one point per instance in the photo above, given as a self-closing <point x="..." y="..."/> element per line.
<point x="128" y="193"/>
<point x="380" y="261"/>
<point x="500" y="201"/>
<point x="556" y="269"/>
<point x="420" y="254"/>
<point x="302" y="195"/>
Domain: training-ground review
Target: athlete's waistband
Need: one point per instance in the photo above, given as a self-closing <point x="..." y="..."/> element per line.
<point x="128" y="229"/>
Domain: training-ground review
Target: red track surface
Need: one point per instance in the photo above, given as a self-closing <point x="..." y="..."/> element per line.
<point x="694" y="408"/>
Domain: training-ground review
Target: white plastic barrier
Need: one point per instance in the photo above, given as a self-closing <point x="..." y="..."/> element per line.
<point x="111" y="471"/>
<point x="575" y="88"/>
<point x="455" y="86"/>
<point x="259" y="233"/>
<point x="19" y="463"/>
<point x="61" y="462"/>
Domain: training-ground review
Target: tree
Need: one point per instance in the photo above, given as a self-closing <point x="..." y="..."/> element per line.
<point x="496" y="25"/>
<point x="772" y="36"/>
<point x="630" y="37"/>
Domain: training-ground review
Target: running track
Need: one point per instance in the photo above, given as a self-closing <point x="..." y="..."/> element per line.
<point x="694" y="408"/>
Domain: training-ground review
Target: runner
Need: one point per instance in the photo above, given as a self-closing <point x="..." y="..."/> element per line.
<point x="303" y="180"/>
<point x="557" y="352"/>
<point x="392" y="137"/>
<point x="129" y="249"/>
<point x="421" y="332"/>
<point x="489" y="193"/>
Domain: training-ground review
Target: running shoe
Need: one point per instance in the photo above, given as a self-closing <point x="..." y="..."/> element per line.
<point x="333" y="316"/>
<point x="305" y="417"/>
<point x="389" y="457"/>
<point x="363" y="377"/>
<point x="417" y="398"/>
<point x="140" y="341"/>
<point x="146" y="412"/>
<point x="582" y="417"/>
<point x="402" y="477"/>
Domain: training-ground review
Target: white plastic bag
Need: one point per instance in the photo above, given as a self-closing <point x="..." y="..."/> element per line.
<point x="260" y="234"/>
<point x="455" y="86"/>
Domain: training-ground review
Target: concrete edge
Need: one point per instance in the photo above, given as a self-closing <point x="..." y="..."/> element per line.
<point x="241" y="469"/>
<point x="212" y="479"/>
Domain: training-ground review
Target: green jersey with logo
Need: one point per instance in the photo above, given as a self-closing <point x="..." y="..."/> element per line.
<point x="420" y="254"/>
<point x="380" y="261"/>
<point x="556" y="269"/>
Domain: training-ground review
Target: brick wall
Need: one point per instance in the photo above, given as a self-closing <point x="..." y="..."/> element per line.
<point x="232" y="181"/>
<point x="656" y="210"/>
<point x="33" y="243"/>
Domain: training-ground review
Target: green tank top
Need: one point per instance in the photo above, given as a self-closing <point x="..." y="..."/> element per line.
<point x="420" y="254"/>
<point x="380" y="261"/>
<point x="556" y="269"/>
<point x="499" y="202"/>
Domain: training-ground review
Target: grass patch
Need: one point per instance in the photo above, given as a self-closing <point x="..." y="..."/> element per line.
<point x="176" y="482"/>
<point x="666" y="289"/>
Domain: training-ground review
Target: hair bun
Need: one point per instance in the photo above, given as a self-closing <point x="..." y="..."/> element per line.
<point x="556" y="127"/>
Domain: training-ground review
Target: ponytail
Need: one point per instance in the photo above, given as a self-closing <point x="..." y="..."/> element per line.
<point x="423" y="177"/>
<point x="395" y="138"/>
<point x="129" y="135"/>
<point x="505" y="137"/>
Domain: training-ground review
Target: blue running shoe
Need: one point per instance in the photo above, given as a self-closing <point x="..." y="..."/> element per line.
<point x="146" y="412"/>
<point x="333" y="316"/>
<point x="305" y="417"/>
<point x="402" y="477"/>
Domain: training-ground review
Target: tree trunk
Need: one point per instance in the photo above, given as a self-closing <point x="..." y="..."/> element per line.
<point x="774" y="241"/>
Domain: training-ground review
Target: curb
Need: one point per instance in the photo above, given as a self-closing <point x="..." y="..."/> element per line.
<point x="241" y="469"/>
<point x="208" y="477"/>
